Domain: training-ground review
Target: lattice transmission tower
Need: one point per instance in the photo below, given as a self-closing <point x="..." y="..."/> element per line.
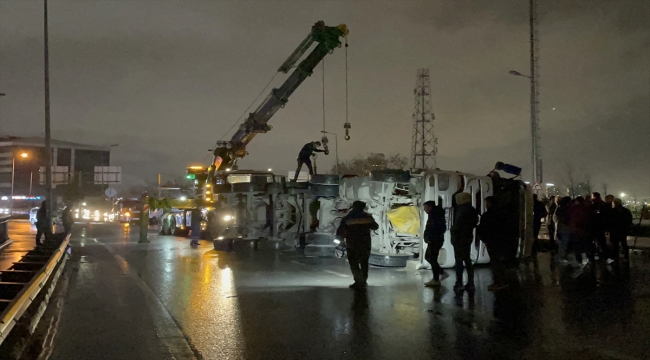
<point x="536" y="153"/>
<point x="424" y="144"/>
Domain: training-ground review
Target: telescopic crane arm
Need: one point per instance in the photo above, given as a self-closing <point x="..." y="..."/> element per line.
<point x="228" y="152"/>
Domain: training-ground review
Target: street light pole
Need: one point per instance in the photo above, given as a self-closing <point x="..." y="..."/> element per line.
<point x="534" y="95"/>
<point x="536" y="159"/>
<point x="48" y="144"/>
<point x="24" y="155"/>
<point x="336" y="148"/>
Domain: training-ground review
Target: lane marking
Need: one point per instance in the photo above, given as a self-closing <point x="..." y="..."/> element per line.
<point x="336" y="273"/>
<point x="298" y="262"/>
<point x="167" y="328"/>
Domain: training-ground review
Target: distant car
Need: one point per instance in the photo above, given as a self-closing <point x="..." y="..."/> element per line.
<point x="32" y="215"/>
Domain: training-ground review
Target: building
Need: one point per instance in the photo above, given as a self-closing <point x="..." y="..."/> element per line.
<point x="25" y="159"/>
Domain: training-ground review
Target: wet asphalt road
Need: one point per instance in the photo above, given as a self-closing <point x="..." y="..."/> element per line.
<point x="166" y="300"/>
<point x="23" y="234"/>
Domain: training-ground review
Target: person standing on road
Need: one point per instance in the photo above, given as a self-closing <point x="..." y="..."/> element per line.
<point x="491" y="231"/>
<point x="579" y="228"/>
<point x="598" y="223"/>
<point x="462" y="236"/>
<point x="562" y="221"/>
<point x="434" y="236"/>
<point x="41" y="223"/>
<point x="355" y="228"/>
<point x="550" y="223"/>
<point x="620" y="228"/>
<point x="539" y="212"/>
<point x="304" y="157"/>
<point x="67" y="219"/>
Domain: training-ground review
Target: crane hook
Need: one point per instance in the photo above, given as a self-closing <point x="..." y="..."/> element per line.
<point x="347" y="128"/>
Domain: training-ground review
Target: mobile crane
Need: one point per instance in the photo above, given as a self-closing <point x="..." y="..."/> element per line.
<point x="227" y="153"/>
<point x="222" y="177"/>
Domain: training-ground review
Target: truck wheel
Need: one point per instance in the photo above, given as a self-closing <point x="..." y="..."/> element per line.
<point x="226" y="244"/>
<point x="385" y="260"/>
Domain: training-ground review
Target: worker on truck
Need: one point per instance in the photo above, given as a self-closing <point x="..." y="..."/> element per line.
<point x="305" y="157"/>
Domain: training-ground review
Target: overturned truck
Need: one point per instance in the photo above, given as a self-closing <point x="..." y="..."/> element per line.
<point x="256" y="205"/>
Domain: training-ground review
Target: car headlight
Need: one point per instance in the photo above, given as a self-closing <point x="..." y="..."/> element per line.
<point x="337" y="241"/>
<point x="227" y="218"/>
<point x="220" y="238"/>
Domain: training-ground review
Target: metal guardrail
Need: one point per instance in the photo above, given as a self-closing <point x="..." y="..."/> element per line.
<point x="24" y="281"/>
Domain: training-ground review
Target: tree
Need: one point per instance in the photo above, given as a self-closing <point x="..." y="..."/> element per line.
<point x="569" y="180"/>
<point x="363" y="165"/>
<point x="586" y="182"/>
<point x="604" y="185"/>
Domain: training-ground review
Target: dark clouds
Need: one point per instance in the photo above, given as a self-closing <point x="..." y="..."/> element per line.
<point x="165" y="79"/>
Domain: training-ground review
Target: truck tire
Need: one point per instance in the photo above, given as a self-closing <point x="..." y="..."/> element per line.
<point x="322" y="179"/>
<point x="391" y="176"/>
<point x="385" y="260"/>
<point x="226" y="244"/>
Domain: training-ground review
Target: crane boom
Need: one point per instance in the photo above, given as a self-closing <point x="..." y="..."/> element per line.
<point x="227" y="153"/>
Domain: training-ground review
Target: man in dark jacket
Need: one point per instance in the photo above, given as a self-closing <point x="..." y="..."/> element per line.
<point x="41" y="223"/>
<point x="355" y="228"/>
<point x="620" y="227"/>
<point x="491" y="230"/>
<point x="67" y="219"/>
<point x="304" y="157"/>
<point x="550" y="223"/>
<point x="434" y="237"/>
<point x="539" y="212"/>
<point x="562" y="221"/>
<point x="462" y="236"/>
<point x="598" y="223"/>
<point x="580" y="220"/>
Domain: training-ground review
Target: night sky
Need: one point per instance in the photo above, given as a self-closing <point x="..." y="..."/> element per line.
<point x="166" y="79"/>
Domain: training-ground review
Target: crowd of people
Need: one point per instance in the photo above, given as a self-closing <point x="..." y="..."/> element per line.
<point x="588" y="229"/>
<point x="581" y="230"/>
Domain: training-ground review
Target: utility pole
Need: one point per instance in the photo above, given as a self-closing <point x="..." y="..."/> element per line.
<point x="536" y="158"/>
<point x="424" y="143"/>
<point x="51" y="202"/>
